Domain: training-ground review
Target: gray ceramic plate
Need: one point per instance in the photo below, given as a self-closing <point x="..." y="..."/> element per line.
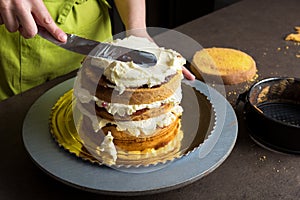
<point x="84" y="175"/>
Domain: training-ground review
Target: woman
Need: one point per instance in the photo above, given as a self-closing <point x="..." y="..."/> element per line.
<point x="25" y="63"/>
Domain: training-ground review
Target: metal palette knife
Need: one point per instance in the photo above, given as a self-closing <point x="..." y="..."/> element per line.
<point x="105" y="50"/>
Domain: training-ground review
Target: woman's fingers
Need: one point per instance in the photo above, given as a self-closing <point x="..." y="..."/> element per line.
<point x="44" y="19"/>
<point x="16" y="15"/>
<point x="28" y="28"/>
<point x="1" y="21"/>
<point x="187" y="74"/>
<point x="10" y="20"/>
<point x="25" y="15"/>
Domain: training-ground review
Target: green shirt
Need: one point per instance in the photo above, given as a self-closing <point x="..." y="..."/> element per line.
<point x="26" y="63"/>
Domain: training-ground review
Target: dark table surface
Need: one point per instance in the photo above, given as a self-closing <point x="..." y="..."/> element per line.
<point x="250" y="172"/>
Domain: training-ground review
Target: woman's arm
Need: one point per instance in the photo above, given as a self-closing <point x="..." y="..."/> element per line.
<point x="133" y="16"/>
<point x="132" y="13"/>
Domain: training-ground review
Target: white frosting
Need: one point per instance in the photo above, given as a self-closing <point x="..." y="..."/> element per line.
<point x="84" y="96"/>
<point x="124" y="109"/>
<point x="129" y="74"/>
<point x="144" y="127"/>
<point x="92" y="116"/>
<point x="136" y="128"/>
<point x="107" y="150"/>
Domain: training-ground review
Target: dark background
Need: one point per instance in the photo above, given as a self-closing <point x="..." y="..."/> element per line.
<point x="171" y="13"/>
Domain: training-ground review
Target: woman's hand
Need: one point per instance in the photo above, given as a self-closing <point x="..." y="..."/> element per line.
<point x="143" y="33"/>
<point x="133" y="15"/>
<point x="25" y="15"/>
<point x="187" y="74"/>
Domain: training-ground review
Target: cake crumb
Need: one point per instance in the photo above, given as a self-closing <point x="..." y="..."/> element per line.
<point x="276" y="170"/>
<point x="263" y="158"/>
<point x="254" y="77"/>
<point x="294" y="36"/>
<point x="297" y="55"/>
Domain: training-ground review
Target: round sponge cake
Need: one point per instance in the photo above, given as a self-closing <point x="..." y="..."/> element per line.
<point x="233" y="66"/>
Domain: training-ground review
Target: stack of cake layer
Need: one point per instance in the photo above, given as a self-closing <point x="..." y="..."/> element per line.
<point x="131" y="112"/>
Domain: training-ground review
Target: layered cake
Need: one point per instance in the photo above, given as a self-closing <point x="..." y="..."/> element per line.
<point x="131" y="112"/>
<point x="231" y="66"/>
